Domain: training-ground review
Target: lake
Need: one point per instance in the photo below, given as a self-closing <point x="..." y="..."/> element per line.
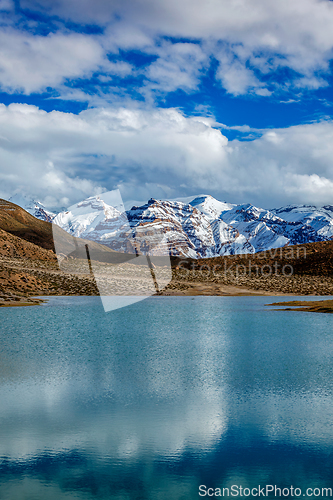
<point x="156" y="399"/>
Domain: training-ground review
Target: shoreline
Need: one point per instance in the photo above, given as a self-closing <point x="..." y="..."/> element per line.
<point x="317" y="306"/>
<point x="321" y="305"/>
<point x="25" y="281"/>
<point x="24" y="302"/>
<point x="211" y="289"/>
<point x="193" y="291"/>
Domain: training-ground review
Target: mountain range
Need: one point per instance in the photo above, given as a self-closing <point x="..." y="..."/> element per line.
<point x="201" y="228"/>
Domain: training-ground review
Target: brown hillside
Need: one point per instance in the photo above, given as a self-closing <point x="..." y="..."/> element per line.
<point x="13" y="247"/>
<point x="299" y="269"/>
<point x="18" y="222"/>
<point x="310" y="259"/>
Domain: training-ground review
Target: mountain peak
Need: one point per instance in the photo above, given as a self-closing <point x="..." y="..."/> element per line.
<point x="195" y="227"/>
<point x="33" y="207"/>
<point x="211" y="207"/>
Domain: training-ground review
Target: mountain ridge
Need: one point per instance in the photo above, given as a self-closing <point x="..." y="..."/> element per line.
<point x="203" y="228"/>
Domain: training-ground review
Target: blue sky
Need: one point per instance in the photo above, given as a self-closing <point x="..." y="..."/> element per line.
<point x="166" y="99"/>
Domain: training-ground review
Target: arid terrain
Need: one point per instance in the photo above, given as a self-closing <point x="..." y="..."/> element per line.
<point x="29" y="268"/>
<point x="297" y="270"/>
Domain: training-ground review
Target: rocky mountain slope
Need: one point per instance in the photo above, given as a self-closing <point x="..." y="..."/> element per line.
<point x="18" y="222"/>
<point x="29" y="266"/>
<point x="14" y="247"/>
<point x="203" y="228"/>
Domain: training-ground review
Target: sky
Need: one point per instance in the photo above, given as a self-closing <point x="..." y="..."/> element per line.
<point x="166" y="99"/>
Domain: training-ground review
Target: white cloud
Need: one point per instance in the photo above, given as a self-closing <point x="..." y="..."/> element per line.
<point x="159" y="152"/>
<point x="258" y="37"/>
<point x="6" y="5"/>
<point x="235" y="77"/>
<point x="127" y="36"/>
<point x="119" y="68"/>
<point x="32" y="63"/>
<point x="267" y="33"/>
<point x="177" y="67"/>
<point x="311" y="83"/>
<point x="312" y="186"/>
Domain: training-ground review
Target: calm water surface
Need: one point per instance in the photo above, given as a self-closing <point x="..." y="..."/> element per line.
<point x="153" y="400"/>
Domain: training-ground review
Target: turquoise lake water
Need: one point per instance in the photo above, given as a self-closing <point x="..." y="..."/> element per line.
<point x="153" y="400"/>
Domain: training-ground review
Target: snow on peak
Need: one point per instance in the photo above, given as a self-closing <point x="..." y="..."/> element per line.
<point x="195" y="227"/>
<point x="95" y="203"/>
<point x="211" y="207"/>
<point x="84" y="217"/>
<point x="319" y="219"/>
<point x="186" y="229"/>
<point x="33" y="207"/>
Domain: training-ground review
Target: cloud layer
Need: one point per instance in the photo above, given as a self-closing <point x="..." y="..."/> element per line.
<point x="126" y="59"/>
<point x="259" y="46"/>
<point x="61" y="157"/>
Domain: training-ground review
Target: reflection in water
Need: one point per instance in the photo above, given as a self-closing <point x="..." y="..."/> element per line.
<point x="152" y="400"/>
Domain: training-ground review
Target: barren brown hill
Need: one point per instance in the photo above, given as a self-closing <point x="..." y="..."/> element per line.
<point x="299" y="269"/>
<point x="13" y="247"/>
<point x="311" y="259"/>
<point x="18" y="222"/>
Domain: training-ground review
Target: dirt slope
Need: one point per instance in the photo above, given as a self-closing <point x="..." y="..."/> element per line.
<point x="18" y="222"/>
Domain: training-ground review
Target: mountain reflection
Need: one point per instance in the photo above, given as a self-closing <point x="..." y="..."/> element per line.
<point x="161" y="397"/>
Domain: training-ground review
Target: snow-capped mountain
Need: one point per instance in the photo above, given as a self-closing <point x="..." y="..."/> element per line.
<point x="319" y="219"/>
<point x="204" y="227"/>
<point x="32" y="206"/>
<point x="83" y="218"/>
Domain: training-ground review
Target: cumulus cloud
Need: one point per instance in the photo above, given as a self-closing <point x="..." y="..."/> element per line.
<point x="32" y="63"/>
<point x="178" y="67"/>
<point x="148" y="152"/>
<point x="235" y="77"/>
<point x="311" y="185"/>
<point x="249" y="39"/>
